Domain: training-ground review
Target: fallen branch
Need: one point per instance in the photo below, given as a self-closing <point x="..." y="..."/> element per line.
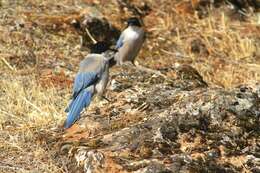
<point x="149" y="70"/>
<point x="11" y="115"/>
<point x="33" y="105"/>
<point x="7" y="64"/>
<point x="90" y="36"/>
<point x="11" y="167"/>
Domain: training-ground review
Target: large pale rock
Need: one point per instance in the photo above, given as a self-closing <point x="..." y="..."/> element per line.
<point x="178" y="124"/>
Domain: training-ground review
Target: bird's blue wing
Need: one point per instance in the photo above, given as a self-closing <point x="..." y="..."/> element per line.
<point x="82" y="100"/>
<point x="83" y="80"/>
<point x="119" y="42"/>
<point x="81" y="96"/>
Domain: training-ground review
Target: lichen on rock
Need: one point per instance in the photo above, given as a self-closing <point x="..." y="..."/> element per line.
<point x="179" y="129"/>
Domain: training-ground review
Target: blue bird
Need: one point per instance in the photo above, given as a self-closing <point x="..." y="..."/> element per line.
<point x="91" y="79"/>
<point x="130" y="41"/>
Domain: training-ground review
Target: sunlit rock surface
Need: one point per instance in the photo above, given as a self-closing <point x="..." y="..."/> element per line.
<point x="173" y="124"/>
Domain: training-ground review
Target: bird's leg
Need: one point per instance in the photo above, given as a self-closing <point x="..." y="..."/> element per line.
<point x="100" y="97"/>
<point x="106" y="98"/>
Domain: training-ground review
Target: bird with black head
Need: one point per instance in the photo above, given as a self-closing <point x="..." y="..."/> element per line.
<point x="130" y="41"/>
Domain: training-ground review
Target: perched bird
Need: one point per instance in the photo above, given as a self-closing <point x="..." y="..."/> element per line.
<point x="92" y="78"/>
<point x="130" y="41"/>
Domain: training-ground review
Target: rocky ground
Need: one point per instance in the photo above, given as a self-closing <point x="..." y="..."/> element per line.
<point x="198" y="113"/>
<point x="156" y="125"/>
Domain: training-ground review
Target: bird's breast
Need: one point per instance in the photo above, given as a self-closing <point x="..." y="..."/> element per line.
<point x="132" y="35"/>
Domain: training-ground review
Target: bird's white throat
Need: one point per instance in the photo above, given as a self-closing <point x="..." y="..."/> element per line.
<point x="132" y="33"/>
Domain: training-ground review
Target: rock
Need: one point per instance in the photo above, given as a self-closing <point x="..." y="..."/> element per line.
<point x="94" y="24"/>
<point x="185" y="126"/>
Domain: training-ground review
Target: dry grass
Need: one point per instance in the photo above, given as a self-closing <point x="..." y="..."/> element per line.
<point x="26" y="111"/>
<point x="33" y="94"/>
<point x="224" y="47"/>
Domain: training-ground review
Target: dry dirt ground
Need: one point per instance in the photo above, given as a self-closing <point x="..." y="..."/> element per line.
<point x="40" y="49"/>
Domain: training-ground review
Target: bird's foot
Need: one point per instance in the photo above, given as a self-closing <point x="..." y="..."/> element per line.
<point x="103" y="97"/>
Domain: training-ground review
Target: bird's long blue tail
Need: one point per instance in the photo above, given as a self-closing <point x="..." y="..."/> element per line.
<point x="76" y="106"/>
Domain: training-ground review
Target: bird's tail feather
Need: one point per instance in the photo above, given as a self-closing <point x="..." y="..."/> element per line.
<point x="76" y="106"/>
